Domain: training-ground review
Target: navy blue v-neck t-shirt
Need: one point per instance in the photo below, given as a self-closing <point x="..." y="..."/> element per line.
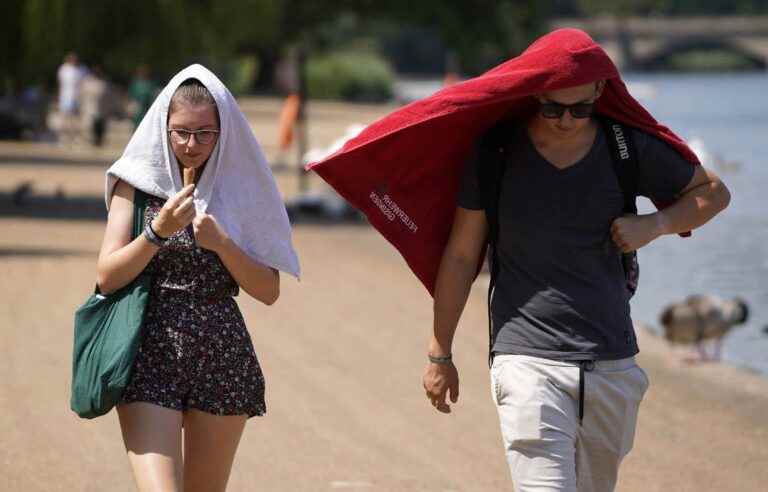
<point x="561" y="292"/>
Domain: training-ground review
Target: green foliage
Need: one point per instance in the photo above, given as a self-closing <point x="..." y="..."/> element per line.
<point x="123" y="34"/>
<point x="236" y="72"/>
<point x="715" y="7"/>
<point x="353" y="76"/>
<point x="622" y="8"/>
<point x="577" y="8"/>
<point x="718" y="60"/>
<point x="169" y="34"/>
<point x="10" y="44"/>
<point x="481" y="32"/>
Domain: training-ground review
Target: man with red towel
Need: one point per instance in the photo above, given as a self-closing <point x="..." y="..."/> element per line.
<point x="564" y="378"/>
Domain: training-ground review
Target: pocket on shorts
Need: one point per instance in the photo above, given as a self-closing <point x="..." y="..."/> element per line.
<point x="494" y="379"/>
<point x="645" y="378"/>
<point x="517" y="392"/>
<point x="637" y="385"/>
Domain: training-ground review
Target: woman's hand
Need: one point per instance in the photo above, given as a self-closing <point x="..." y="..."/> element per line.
<point x="176" y="214"/>
<point x="208" y="233"/>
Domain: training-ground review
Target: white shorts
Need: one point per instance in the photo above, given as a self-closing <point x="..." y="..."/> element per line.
<point x="548" y="448"/>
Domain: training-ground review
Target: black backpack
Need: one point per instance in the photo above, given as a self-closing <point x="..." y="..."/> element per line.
<point x="491" y="164"/>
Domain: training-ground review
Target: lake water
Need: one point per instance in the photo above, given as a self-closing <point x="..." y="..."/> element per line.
<point x="727" y="116"/>
<point x="729" y="256"/>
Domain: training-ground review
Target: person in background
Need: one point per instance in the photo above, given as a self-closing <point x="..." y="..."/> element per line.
<point x="142" y="92"/>
<point x="70" y="75"/>
<point x="95" y="104"/>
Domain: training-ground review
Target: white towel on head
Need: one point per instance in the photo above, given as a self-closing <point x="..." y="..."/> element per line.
<point x="236" y="187"/>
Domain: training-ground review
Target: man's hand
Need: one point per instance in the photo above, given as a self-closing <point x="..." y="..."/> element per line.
<point x="438" y="380"/>
<point x="632" y="232"/>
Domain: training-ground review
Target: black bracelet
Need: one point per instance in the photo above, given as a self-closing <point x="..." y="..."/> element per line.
<point x="155" y="233"/>
<point x="151" y="236"/>
<point x="444" y="359"/>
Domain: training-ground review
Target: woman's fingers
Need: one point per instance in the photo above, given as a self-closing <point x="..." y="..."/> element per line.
<point x="178" y="211"/>
<point x="173" y="202"/>
<point x="185" y="193"/>
<point x="184" y="213"/>
<point x="187" y="190"/>
<point x="189" y="216"/>
<point x="185" y="206"/>
<point x="179" y="197"/>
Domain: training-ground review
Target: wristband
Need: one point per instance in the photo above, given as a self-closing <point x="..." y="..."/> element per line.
<point x="152" y="236"/>
<point x="445" y="359"/>
<point x="155" y="233"/>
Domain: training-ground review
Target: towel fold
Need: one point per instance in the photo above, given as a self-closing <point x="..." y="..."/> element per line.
<point x="236" y="186"/>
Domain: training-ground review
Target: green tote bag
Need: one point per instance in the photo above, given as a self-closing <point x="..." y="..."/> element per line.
<point x="107" y="337"/>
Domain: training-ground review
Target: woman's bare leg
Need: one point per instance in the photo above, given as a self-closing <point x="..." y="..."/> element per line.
<point x="210" y="443"/>
<point x="152" y="436"/>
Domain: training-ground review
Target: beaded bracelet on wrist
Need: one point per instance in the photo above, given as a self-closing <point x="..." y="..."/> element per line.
<point x="444" y="359"/>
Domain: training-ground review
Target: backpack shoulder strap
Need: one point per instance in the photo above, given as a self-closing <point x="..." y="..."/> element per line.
<point x="490" y="166"/>
<point x="625" y="161"/>
<point x="491" y="163"/>
<point x="626" y="167"/>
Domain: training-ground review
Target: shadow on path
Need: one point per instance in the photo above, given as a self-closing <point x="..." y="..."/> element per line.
<point x="24" y="202"/>
<point x="44" y="252"/>
<point x="37" y="160"/>
<point x="52" y="207"/>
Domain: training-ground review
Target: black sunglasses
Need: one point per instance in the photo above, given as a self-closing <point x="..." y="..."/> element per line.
<point x="556" y="110"/>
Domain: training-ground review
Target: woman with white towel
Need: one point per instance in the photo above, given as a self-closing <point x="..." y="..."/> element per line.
<point x="214" y="223"/>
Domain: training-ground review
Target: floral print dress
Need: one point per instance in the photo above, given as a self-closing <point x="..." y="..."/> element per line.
<point x="196" y="351"/>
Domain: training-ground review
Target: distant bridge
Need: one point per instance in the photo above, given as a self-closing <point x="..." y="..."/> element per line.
<point x="645" y="43"/>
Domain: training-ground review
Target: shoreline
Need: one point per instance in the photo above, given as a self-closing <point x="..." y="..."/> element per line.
<point x="721" y="373"/>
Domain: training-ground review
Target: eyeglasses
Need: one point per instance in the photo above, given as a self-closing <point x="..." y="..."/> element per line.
<point x="204" y="137"/>
<point x="555" y="110"/>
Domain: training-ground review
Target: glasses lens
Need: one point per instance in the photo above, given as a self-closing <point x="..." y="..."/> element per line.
<point x="581" y="110"/>
<point x="552" y="110"/>
<point x="180" y="136"/>
<point x="205" y="137"/>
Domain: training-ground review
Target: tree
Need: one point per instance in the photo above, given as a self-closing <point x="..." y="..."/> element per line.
<point x="481" y="32"/>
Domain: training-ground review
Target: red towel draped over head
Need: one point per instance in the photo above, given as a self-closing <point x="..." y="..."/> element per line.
<point x="404" y="171"/>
